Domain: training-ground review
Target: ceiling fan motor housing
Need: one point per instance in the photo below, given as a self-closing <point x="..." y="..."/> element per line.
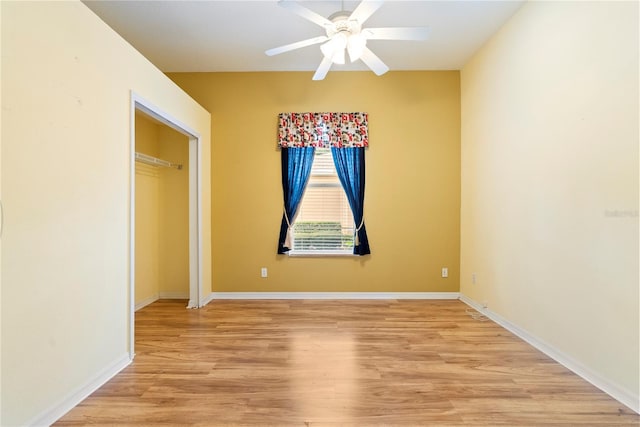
<point x="342" y="24"/>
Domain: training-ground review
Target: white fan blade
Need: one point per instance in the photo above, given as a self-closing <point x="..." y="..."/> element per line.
<point x="296" y="45"/>
<point x="406" y="33"/>
<point x="365" y="9"/>
<point x="373" y="62"/>
<point x="323" y="69"/>
<point x="305" y="13"/>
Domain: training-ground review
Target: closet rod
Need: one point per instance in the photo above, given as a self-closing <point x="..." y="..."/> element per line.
<point x="154" y="161"/>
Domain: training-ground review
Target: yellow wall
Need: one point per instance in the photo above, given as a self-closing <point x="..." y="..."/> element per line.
<point x="66" y="112"/>
<point x="147" y="221"/>
<point x="174" y="216"/>
<point x="550" y="182"/>
<point x="162" y="214"/>
<point x="413" y="178"/>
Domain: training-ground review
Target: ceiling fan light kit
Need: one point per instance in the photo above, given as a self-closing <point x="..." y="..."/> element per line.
<point x="344" y="34"/>
<point x="334" y="48"/>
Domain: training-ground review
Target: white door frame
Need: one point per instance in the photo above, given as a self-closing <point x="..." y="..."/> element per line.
<point x="195" y="203"/>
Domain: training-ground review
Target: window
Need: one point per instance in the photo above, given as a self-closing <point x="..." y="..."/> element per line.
<point x="324" y="223"/>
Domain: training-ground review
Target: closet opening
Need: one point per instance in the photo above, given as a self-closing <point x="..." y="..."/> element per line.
<point x="165" y="225"/>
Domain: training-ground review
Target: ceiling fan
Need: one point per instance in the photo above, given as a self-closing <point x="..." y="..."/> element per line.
<point x="344" y="32"/>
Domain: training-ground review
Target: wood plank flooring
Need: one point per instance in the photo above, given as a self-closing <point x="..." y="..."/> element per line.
<point x="338" y="363"/>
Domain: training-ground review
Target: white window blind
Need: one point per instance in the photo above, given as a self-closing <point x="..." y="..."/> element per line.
<point x="324" y="223"/>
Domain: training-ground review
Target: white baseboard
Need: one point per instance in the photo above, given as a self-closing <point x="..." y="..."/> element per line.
<point x="146" y="302"/>
<point x="620" y="394"/>
<point x="161" y="295"/>
<point x="56" y="412"/>
<point x="331" y="295"/>
<point x="206" y="300"/>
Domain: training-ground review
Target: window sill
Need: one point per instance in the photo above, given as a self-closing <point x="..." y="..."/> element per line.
<point x="320" y="254"/>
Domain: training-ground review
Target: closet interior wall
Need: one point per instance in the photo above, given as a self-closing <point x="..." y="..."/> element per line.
<point x="161" y="214"/>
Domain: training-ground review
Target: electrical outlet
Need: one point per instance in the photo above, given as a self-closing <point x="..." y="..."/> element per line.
<point x="263" y="272"/>
<point x="445" y="272"/>
<point x="474" y="279"/>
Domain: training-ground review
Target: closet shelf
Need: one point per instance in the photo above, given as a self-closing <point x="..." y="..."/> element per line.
<point x="154" y="161"/>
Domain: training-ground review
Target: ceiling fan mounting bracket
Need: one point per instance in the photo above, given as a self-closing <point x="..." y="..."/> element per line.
<point x="342" y="15"/>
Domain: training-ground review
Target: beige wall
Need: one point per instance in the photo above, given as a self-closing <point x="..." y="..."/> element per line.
<point x="66" y="114"/>
<point x="550" y="182"/>
<point x="162" y="214"/>
<point x="413" y="178"/>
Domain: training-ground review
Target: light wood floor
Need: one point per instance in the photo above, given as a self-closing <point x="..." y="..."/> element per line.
<point x="315" y="363"/>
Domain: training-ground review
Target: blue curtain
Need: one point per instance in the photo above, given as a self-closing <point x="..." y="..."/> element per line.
<point x="296" y="168"/>
<point x="349" y="163"/>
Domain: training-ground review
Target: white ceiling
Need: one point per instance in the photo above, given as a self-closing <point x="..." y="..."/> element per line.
<point x="229" y="35"/>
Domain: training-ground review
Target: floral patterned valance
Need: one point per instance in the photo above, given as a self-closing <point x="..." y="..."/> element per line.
<point x="323" y="130"/>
